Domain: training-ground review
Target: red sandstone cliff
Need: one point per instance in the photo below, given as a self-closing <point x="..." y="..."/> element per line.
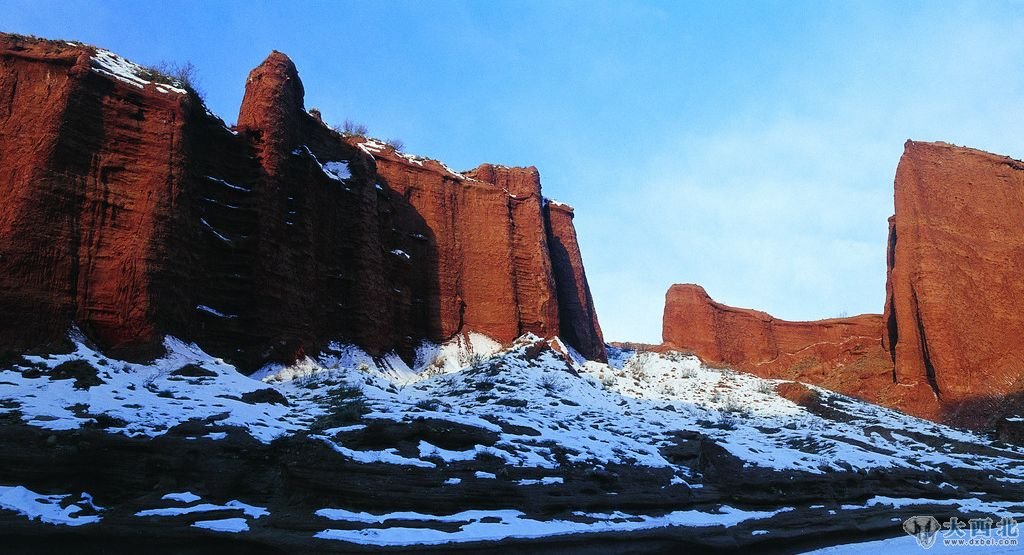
<point x="949" y="346"/>
<point x="954" y="296"/>
<point x="532" y="277"/>
<point x="92" y="166"/>
<point x="498" y="271"/>
<point x="842" y="354"/>
<point x="132" y="212"/>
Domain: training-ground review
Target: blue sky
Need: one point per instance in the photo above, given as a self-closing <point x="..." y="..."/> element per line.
<point x="749" y="147"/>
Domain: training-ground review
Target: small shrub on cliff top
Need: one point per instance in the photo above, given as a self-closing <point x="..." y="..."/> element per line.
<point x="173" y="73"/>
<point x="396" y="144"/>
<point x="59" y="43"/>
<point x="350" y="127"/>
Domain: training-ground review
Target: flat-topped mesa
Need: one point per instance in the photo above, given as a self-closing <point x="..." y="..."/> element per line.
<point x="954" y="297"/>
<point x="694" y="319"/>
<point x="950" y="339"/>
<point x="843" y="354"/>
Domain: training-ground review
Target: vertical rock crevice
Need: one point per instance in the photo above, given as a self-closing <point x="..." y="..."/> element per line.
<point x="892" y="331"/>
<point x="926" y="360"/>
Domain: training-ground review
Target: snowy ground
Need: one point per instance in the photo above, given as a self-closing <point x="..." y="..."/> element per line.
<point x="51" y="509"/>
<point x="143" y="399"/>
<point x="907" y="545"/>
<point x="623" y="412"/>
<point x="501" y="525"/>
<point x="620" y="412"/>
<point x="540" y="404"/>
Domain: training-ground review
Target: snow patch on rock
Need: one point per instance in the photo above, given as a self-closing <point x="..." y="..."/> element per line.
<point x="47" y="508"/>
<point x="499" y="525"/>
<point x="107" y="63"/>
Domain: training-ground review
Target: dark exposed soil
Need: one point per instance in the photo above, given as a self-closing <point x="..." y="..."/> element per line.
<point x="295" y="476"/>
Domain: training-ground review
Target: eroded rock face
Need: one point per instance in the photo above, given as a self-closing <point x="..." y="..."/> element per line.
<point x="132" y="212"/>
<point x="842" y="354"/>
<point x="532" y="276"/>
<point x="323" y="262"/>
<point x="576" y="307"/>
<point x="91" y="169"/>
<point x="500" y="270"/>
<point x="955" y="299"/>
<point x="467" y="229"/>
<point x="272" y="108"/>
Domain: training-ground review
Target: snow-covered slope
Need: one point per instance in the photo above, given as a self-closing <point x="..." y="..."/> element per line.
<point x="621" y="412"/>
<point x="535" y="416"/>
